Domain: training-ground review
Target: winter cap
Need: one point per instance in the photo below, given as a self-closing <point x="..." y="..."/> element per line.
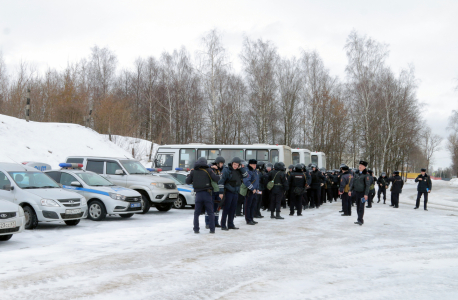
<point x="345" y="168"/>
<point x="220" y="159"/>
<point x="362" y="162"/>
<point x="423" y="169"/>
<point x="252" y="162"/>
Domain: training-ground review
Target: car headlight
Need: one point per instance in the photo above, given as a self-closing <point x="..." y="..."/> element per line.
<point x="158" y="185"/>
<point x="83" y="201"/>
<point x="49" y="202"/>
<point x="117" y="196"/>
<point x="21" y="212"/>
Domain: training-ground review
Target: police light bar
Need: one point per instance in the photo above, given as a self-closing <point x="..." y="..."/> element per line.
<point x="149" y="169"/>
<point x="179" y="169"/>
<point x="154" y="170"/>
<point x="188" y="169"/>
<point x="71" y="165"/>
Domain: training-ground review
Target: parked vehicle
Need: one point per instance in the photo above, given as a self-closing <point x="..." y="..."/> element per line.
<point x="186" y="191"/>
<point x="130" y="173"/>
<point x="41" y="198"/>
<point x="103" y="197"/>
<point x="12" y="219"/>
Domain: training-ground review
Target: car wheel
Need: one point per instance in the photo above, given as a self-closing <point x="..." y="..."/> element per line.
<point x="72" y="222"/>
<point x="146" y="205"/>
<point x="96" y="210"/>
<point x="164" y="207"/>
<point x="179" y="203"/>
<point x="31" y="220"/>
<point x="126" y="216"/>
<point x="5" y="237"/>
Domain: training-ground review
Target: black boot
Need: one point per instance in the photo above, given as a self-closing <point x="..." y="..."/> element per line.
<point x="378" y="201"/>
<point x="278" y="216"/>
<point x="272" y="215"/>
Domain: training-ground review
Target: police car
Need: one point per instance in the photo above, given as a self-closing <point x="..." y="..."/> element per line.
<point x="12" y="219"/>
<point x="42" y="199"/>
<point x="185" y="191"/>
<point x="103" y="197"/>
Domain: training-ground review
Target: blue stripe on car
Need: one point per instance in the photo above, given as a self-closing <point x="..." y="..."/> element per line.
<point x="85" y="190"/>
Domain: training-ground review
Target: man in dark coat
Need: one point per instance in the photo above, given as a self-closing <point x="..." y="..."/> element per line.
<point x="297" y="182"/>
<point x="346" y="179"/>
<point x="383" y="184"/>
<point x="396" y="188"/>
<point x="241" y="199"/>
<point x="252" y="184"/>
<point x="423" y="188"/>
<point x="261" y="167"/>
<point x="278" y="191"/>
<point x="316" y="183"/>
<point x="201" y="177"/>
<point x="230" y="182"/>
<point x="266" y="192"/>
<point x="372" y="181"/>
<point x="217" y="167"/>
<point x="360" y="189"/>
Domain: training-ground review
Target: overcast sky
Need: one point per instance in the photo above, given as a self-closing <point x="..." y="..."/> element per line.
<point x="422" y="33"/>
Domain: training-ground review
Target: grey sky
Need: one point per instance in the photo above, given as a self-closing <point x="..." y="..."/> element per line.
<point x="422" y="33"/>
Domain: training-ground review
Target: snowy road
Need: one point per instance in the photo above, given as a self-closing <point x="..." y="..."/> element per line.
<point x="398" y="254"/>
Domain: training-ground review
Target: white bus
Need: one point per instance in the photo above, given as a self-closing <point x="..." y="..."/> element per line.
<point x="170" y="157"/>
<point x="306" y="157"/>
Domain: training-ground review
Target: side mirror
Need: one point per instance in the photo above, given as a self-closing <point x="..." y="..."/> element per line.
<point x="119" y="172"/>
<point x="75" y="183"/>
<point x="8" y="187"/>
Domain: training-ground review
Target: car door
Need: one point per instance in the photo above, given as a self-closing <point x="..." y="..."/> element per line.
<point x="66" y="179"/>
<point x="4" y="194"/>
<point x="110" y="173"/>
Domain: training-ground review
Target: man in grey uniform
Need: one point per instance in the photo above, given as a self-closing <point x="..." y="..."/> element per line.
<point x="360" y="190"/>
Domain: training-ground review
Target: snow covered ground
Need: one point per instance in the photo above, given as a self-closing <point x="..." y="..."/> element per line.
<point x="398" y="254"/>
<point x="51" y="143"/>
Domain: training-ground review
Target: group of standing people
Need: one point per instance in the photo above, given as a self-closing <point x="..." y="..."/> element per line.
<point x="263" y="186"/>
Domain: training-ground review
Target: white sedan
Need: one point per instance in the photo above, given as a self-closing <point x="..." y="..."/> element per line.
<point x="12" y="219"/>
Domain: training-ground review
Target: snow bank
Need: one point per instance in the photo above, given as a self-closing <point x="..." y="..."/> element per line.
<point x="51" y="143"/>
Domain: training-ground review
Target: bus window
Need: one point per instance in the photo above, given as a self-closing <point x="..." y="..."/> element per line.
<point x="187" y="158"/>
<point x="259" y="155"/>
<point x="274" y="156"/>
<point x="315" y="160"/>
<point x="165" y="162"/>
<point x="296" y="158"/>
<point x="209" y="154"/>
<point x="229" y="154"/>
<point x="306" y="158"/>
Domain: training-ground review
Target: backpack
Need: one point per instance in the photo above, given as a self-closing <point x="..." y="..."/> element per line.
<point x="201" y="182"/>
<point x="214" y="184"/>
<point x="270" y="184"/>
<point x="347" y="187"/>
<point x="244" y="189"/>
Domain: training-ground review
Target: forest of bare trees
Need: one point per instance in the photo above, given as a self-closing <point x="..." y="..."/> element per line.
<point x="371" y="114"/>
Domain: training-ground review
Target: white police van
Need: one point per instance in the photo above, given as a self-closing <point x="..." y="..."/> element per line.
<point x="42" y="199"/>
<point x="12" y="219"/>
<point x="187" y="196"/>
<point x="103" y="197"/>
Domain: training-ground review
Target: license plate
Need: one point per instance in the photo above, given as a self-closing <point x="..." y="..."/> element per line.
<point x="72" y="211"/>
<point x="7" y="225"/>
<point x="173" y="196"/>
<point x="132" y="205"/>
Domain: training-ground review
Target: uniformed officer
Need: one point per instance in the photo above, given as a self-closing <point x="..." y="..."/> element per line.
<point x="316" y="184"/>
<point x="241" y="199"/>
<point x="278" y="191"/>
<point x="266" y="192"/>
<point x="383" y="184"/>
<point x="217" y="168"/>
<point x="360" y="189"/>
<point x="297" y="182"/>
<point x="372" y="181"/>
<point x="200" y="178"/>
<point x="252" y="184"/>
<point x="423" y="188"/>
<point x="396" y="188"/>
<point x="261" y="167"/>
<point x="335" y="184"/>
<point x="346" y="179"/>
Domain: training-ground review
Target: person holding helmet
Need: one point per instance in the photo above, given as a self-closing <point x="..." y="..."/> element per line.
<point x="360" y="189"/>
<point x="252" y="184"/>
<point x="217" y="168"/>
<point x="316" y="183"/>
<point x="297" y="183"/>
<point x="230" y="182"/>
<point x="261" y="167"/>
<point x="396" y="188"/>
<point x="277" y="176"/>
<point x="383" y="184"/>
<point x="423" y="188"/>
<point x="346" y="179"/>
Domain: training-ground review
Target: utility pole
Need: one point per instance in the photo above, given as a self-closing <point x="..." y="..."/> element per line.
<point x="27" y="106"/>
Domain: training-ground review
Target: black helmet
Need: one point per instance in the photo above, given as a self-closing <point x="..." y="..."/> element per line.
<point x="236" y="160"/>
<point x="312" y="166"/>
<point x="269" y="165"/>
<point x="383" y="174"/>
<point x="369" y="171"/>
<point x="342" y="165"/>
<point x="260" y="165"/>
<point x="298" y="167"/>
<point x="220" y="159"/>
<point x="291" y="167"/>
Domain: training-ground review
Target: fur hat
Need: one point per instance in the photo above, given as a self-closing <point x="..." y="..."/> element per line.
<point x="252" y="162"/>
<point x="423" y="169"/>
<point x="362" y="162"/>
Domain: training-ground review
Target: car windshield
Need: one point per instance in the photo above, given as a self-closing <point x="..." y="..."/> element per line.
<point x="171" y="177"/>
<point x="33" y="180"/>
<point x="134" y="167"/>
<point x="94" y="179"/>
